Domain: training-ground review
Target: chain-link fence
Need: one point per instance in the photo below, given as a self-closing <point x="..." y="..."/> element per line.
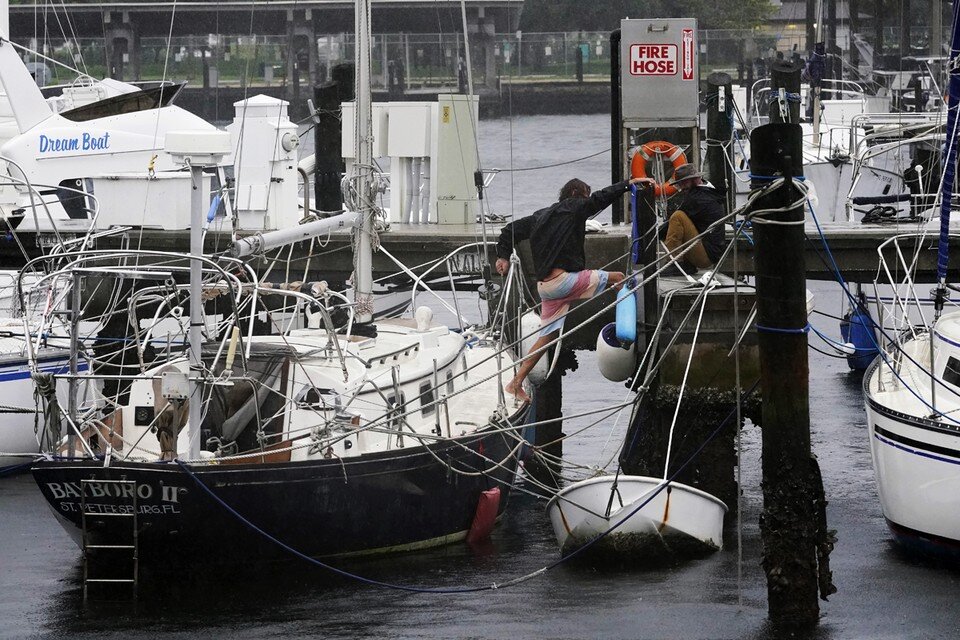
<point x="407" y="62"/>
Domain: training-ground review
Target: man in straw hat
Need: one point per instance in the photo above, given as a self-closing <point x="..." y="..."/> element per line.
<point x="700" y="207"/>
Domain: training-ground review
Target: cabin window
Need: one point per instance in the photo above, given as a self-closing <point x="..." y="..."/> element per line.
<point x="449" y="382"/>
<point x="316" y="398"/>
<point x="397" y="406"/>
<point x="951" y="373"/>
<point x="395" y="409"/>
<point x="426" y="399"/>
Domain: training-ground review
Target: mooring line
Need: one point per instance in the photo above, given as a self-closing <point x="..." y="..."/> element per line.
<point x="883" y="354"/>
<point x="458" y="590"/>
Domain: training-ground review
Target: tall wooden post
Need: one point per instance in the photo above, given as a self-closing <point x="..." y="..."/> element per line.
<point x="785" y="74"/>
<point x="548" y="438"/>
<point x="719" y="133"/>
<point x="796" y="543"/>
<point x="328" y="154"/>
<point x="616" y="123"/>
<point x="329" y="157"/>
<point x="634" y="457"/>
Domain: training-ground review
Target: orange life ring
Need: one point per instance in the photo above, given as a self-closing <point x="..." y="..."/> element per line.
<point x="646" y="152"/>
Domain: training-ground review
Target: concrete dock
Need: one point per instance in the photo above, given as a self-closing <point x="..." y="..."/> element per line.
<point x="853" y="247"/>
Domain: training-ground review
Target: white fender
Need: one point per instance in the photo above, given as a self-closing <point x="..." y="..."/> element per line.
<point x="616" y="363"/>
<point x="529" y="328"/>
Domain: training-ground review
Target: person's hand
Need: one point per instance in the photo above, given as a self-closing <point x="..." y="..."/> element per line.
<point x="643" y="183"/>
<point x="502" y="266"/>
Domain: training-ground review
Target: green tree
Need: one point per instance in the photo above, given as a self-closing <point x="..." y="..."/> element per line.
<point x="605" y="15"/>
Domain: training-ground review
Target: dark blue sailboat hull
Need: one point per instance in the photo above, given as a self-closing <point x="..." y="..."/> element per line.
<point x="399" y="500"/>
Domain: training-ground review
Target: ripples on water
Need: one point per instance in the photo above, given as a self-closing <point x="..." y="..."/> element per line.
<point x="881" y="595"/>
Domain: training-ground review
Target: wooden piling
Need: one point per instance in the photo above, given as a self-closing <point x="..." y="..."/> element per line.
<point x="548" y="438"/>
<point x="785" y="74"/>
<point x="796" y="543"/>
<point x="329" y="159"/>
<point x="617" y="155"/>
<point x="719" y="100"/>
<point x="709" y="395"/>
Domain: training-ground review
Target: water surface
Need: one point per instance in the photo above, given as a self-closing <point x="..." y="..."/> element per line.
<point x="881" y="594"/>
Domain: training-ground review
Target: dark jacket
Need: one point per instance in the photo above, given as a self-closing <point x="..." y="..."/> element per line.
<point x="556" y="233"/>
<point x="704" y="205"/>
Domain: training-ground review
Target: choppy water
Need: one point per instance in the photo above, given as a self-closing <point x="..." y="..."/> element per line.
<point x="881" y="594"/>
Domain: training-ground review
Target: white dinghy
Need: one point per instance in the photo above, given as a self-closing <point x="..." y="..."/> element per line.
<point x="641" y="517"/>
<point x="646" y="515"/>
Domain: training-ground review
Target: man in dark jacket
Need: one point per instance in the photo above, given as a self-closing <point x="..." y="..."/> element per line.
<point x="556" y="236"/>
<point x="701" y="206"/>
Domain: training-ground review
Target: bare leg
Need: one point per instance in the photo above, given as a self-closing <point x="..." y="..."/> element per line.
<point x="515" y="386"/>
<point x="615" y="279"/>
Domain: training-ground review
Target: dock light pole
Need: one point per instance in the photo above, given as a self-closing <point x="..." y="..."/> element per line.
<point x="196" y="149"/>
<point x="796" y="542"/>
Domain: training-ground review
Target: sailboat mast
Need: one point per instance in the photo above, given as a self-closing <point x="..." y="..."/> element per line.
<point x="950" y="160"/>
<point x="363" y="168"/>
<point x="818" y="55"/>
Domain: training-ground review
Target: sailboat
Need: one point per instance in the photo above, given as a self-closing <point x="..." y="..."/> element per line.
<point x="323" y="441"/>
<point x="911" y="393"/>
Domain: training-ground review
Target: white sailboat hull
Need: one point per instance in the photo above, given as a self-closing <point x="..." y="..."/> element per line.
<point x="18" y="419"/>
<point x="16" y="428"/>
<point x="677" y="519"/>
<point x="917" y="466"/>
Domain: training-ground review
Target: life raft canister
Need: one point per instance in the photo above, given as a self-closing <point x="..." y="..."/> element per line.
<point x="644" y="153"/>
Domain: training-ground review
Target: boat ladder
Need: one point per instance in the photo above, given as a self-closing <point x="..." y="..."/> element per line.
<point x="94" y="514"/>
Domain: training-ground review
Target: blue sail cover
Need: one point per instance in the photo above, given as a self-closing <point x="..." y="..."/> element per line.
<point x="950" y="146"/>
<point x="817" y="64"/>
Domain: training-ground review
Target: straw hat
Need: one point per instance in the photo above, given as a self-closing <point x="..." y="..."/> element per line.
<point x="684" y="172"/>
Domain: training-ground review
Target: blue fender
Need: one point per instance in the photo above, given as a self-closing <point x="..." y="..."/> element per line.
<point x="627" y="314"/>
